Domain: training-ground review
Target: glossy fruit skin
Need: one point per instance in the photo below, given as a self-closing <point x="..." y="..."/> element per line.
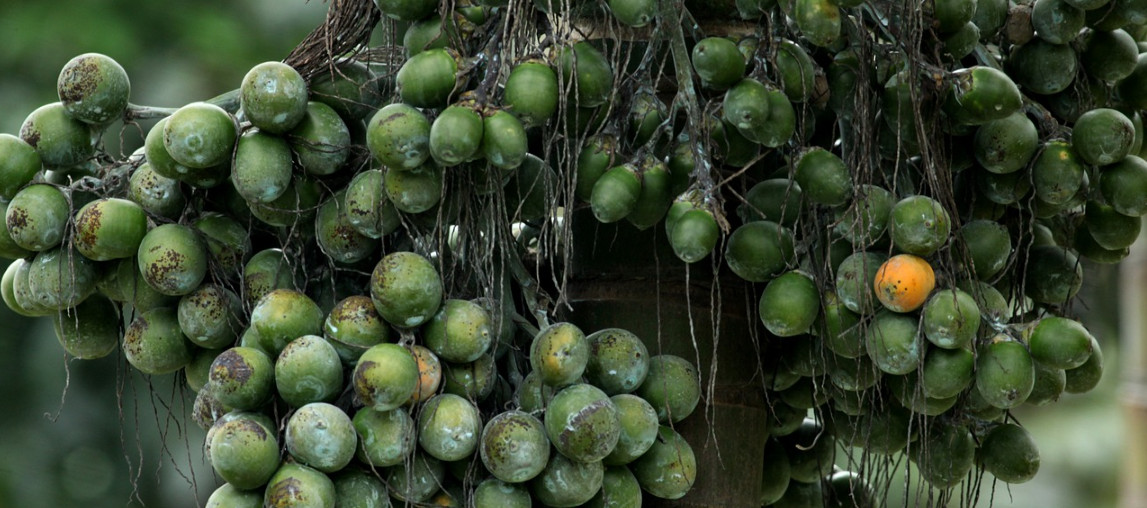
<point x="352" y="90"/>
<point x="669" y="468"/>
<point x="672" y="387"/>
<point x="308" y="370"/>
<point x="385" y="376"/>
<point x="841" y="328"/>
<point x="157" y="194"/>
<point x="596" y="157"/>
<point x="1110" y="229"/>
<point x="321" y="436"/>
<point x="514" y="447"/>
<point x="19" y="162"/>
<point x="866" y="220"/>
<point x="459" y="332"/>
<point x="893" y="344"/>
<point x="559" y="354"/>
<point x="582" y="423"/>
<point x="1123" y="186"/>
<point x="824" y="178"/>
<point x="427" y="79"/>
<point x="262" y="169"/>
<point x="789" y="304"/>
<point x="746" y="107"/>
<point x="533" y="395"/>
<point x="210" y="316"/>
<point x="227" y="496"/>
<point x="919" y="225"/>
<point x="416" y="479"/>
<point x="357" y="488"/>
<point x="267" y="270"/>
<point x="337" y="238"/>
<point x="591" y="69"/>
<point x="694" y="235"/>
<point x="615" y="194"/>
<point x="124" y="283"/>
<point x="37" y="217"/>
<point x="154" y="345"/>
<point x="60" y="140"/>
<point x="284" y="315"/>
<point x="1005" y="375"/>
<point x="777" y="128"/>
<point x="449" y="427"/>
<point x="618" y="361"/>
<point x="89" y="330"/>
<point x="494" y="493"/>
<point x="353" y="326"/>
<point x="566" y="483"/>
<point x="946" y="372"/>
<point x="242" y="378"/>
<point x="758" y="250"/>
<point x="1060" y="343"/>
<point x="200" y="135"/>
<point x="948" y="456"/>
<point x="321" y="140"/>
<point x="1010" y="454"/>
<point x="1103" y="136"/>
<point x="777" y="200"/>
<point x="455" y="136"/>
<point x="1056" y="21"/>
<point x="243" y="452"/>
<point x="855" y="277"/>
<point x="386" y="438"/>
<point x="227" y="241"/>
<point x="1053" y="274"/>
<point x="94" y="88"/>
<point x="989" y="246"/>
<point x="1085" y="377"/>
<point x="951" y="319"/>
<point x="904" y="282"/>
<point x="159" y="158"/>
<point x="296" y="205"/>
<point x="474" y="381"/>
<point x="655" y="199"/>
<point x="273" y="96"/>
<point x="504" y="143"/>
<point x="406" y="289"/>
<point x="982" y="94"/>
<point x="1006" y="145"/>
<point x="639" y="426"/>
<point x="1108" y="55"/>
<point x="109" y="228"/>
<point x="531" y="93"/>
<point x="399" y="136"/>
<point x="368" y="209"/>
<point x="796" y="70"/>
<point x="296" y="485"/>
<point x="1032" y="58"/>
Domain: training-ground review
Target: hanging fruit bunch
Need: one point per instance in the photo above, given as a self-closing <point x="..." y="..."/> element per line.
<point x="359" y="260"/>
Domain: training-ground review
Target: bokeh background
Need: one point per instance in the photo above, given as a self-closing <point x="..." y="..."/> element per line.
<point x="92" y="434"/>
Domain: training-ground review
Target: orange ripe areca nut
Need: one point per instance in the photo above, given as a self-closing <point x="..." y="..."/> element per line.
<point x="904" y="282"/>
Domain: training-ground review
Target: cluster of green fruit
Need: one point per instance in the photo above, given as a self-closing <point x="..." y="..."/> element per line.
<point x="420" y="419"/>
<point x="109" y="261"/>
<point x="934" y="271"/>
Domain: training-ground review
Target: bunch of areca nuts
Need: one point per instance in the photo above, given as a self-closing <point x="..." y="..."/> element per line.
<point x="374" y="386"/>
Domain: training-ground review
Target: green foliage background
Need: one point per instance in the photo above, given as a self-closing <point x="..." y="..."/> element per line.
<point x="93" y="434"/>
